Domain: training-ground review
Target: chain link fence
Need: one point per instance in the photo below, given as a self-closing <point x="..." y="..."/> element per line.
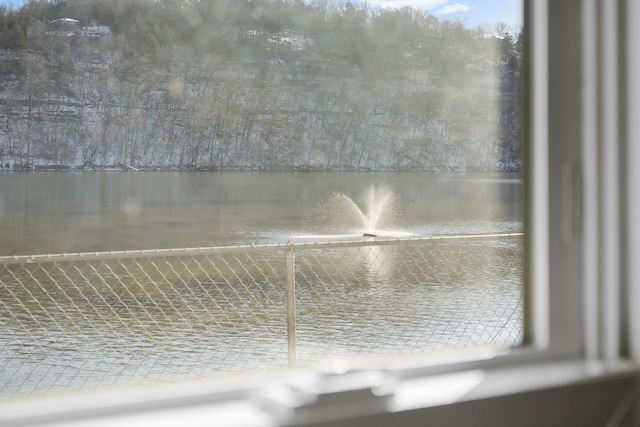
<point x="79" y="322"/>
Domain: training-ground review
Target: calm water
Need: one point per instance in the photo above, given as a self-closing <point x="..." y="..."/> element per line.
<point x="87" y="212"/>
<point x="78" y="331"/>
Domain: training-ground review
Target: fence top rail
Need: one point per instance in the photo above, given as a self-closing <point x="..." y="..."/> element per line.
<point x="176" y="252"/>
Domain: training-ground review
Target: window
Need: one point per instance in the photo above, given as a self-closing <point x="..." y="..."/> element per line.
<point x="582" y="330"/>
<point x="405" y="127"/>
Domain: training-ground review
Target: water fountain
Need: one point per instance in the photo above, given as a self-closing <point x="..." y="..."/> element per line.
<point x="338" y="212"/>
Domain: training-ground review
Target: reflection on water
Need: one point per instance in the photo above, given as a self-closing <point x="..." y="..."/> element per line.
<point x="85" y="326"/>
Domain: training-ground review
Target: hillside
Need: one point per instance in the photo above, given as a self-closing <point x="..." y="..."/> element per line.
<point x="254" y="85"/>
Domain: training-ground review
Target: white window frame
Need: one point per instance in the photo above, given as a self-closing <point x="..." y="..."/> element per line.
<point x="583" y="264"/>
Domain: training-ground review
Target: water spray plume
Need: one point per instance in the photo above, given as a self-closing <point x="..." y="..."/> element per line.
<point x="339" y="212"/>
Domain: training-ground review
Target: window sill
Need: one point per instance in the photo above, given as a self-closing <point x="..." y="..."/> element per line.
<point x="546" y="392"/>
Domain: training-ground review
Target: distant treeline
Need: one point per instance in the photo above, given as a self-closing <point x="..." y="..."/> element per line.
<point x="255" y="84"/>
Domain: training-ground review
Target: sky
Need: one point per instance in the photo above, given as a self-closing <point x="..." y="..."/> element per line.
<point x="470" y="12"/>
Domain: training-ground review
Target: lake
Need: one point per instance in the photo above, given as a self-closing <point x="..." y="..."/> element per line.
<point x="86" y="212"/>
<point x="83" y="326"/>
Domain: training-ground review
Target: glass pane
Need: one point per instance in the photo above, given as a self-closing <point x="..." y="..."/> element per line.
<point x="343" y="182"/>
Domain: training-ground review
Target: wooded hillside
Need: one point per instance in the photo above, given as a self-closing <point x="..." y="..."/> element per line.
<point x="255" y="85"/>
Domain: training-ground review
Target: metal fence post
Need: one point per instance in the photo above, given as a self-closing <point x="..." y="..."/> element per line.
<point x="291" y="306"/>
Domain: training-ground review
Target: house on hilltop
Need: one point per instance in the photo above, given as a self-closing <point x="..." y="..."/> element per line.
<point x="69" y="27"/>
<point x="64" y="25"/>
<point x="96" y="31"/>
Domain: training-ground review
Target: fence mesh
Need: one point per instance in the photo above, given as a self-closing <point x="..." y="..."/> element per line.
<point x="92" y="321"/>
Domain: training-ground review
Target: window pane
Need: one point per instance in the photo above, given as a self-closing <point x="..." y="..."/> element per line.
<point x="349" y="174"/>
